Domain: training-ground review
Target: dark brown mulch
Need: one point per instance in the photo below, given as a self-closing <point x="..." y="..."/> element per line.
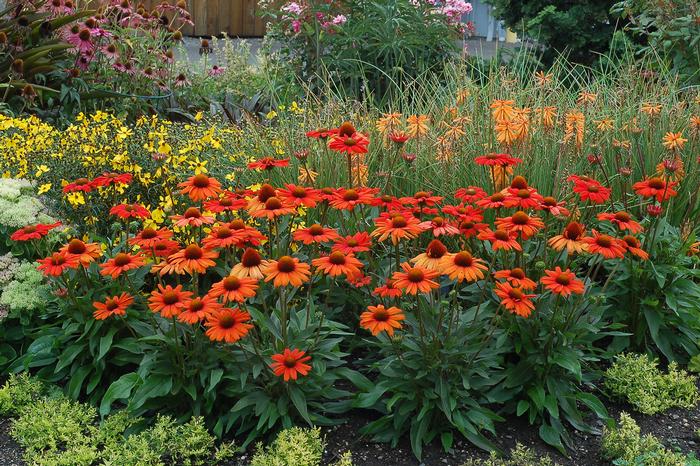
<point x="10" y="452"/>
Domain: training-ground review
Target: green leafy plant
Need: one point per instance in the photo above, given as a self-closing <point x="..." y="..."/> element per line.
<point x="668" y="32"/>
<point x="292" y="447"/>
<point x="20" y="390"/>
<point x="558" y="27"/>
<point x="625" y="446"/>
<point x="638" y="380"/>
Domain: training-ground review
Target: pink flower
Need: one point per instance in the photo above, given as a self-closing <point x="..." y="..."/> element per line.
<point x="296" y="26"/>
<point x="339" y="20"/>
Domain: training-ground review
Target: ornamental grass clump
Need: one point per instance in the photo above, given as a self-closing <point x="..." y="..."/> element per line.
<point x="638" y="380"/>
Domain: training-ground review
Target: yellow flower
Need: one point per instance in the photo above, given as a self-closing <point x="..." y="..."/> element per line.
<point x="40" y="170"/>
<point x="271" y="115"/>
<point x="44" y="188"/>
<point x="76" y="198"/>
<point x="674" y="141"/>
<point x="198" y="116"/>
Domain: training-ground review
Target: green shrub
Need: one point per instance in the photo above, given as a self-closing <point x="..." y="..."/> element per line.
<point x="19" y="391"/>
<point x="519" y="456"/>
<point x="292" y="447"/>
<point x="26" y="292"/>
<point x="638" y="380"/>
<point x="625" y="446"/>
<point x="560" y="29"/>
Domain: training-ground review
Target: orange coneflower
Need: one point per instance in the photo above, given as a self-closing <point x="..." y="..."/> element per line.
<point x="359" y="242"/>
<point x="463" y="266"/>
<point x="229" y="325"/>
<point x="86" y="252"/>
<point x="501" y="239"/>
<point x="197" y="309"/>
<point x="149" y="237"/>
<point x="287" y="270"/>
<point x="380" y="319"/>
<point x="387" y="290"/>
<point x="338" y="263"/>
<point x="397" y="226"/>
<point x="265" y="192"/>
<point x="251" y="265"/>
<point x="299" y="196"/>
<point x="571" y="239"/>
<point x="273" y="207"/>
<point x="634" y="246"/>
<point x="517" y="278"/>
<point x="168" y="301"/>
<point x="555" y="208"/>
<point x="523" y="198"/>
<point x="114" y="306"/>
<point x="192" y="217"/>
<point x="348" y="199"/>
<point x="223" y="236"/>
<point x="655" y="187"/>
<point x="354" y="144"/>
<point x="439" y="226"/>
<point x="57" y="263"/>
<point x="414" y="280"/>
<point x="514" y="299"/>
<point x="191" y="259"/>
<point x="623" y="220"/>
<point x="233" y="288"/>
<point x="494" y="201"/>
<point x="248" y="235"/>
<point x="290" y="363"/>
<point x="521" y="223"/>
<point x="228" y="202"/>
<point x="432" y="257"/>
<point x="121" y="263"/>
<point x="315" y="234"/>
<point x="470" y="194"/>
<point x="127" y="211"/>
<point x="200" y="187"/>
<point x="562" y="282"/>
<point x="605" y="245"/>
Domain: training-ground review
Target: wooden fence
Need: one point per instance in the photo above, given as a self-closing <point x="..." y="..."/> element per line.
<point x="214" y="17"/>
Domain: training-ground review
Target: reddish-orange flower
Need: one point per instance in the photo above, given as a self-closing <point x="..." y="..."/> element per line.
<point x="223" y="236"/>
<point x="439" y="226"/>
<point x="192" y="217"/>
<point x="431" y="259"/>
<point x="107" y="179"/>
<point x="355" y="143"/>
<point x="501" y="239"/>
<point x="414" y="280"/>
<point x="657" y="188"/>
<point x="491" y="159"/>
<point x="521" y="223"/>
<point x="514" y="299"/>
<point x="251" y="265"/>
<point x="229" y="325"/>
<point x="268" y="163"/>
<point x="248" y="235"/>
<point x="200" y="187"/>
<point x="591" y="190"/>
<point x="523" y="198"/>
<point x="462" y="266"/>
<point x="397" y="227"/>
<point x="315" y="234"/>
<point x="31" y="232"/>
<point x="290" y="363"/>
<point x="470" y="194"/>
<point x="121" y="263"/>
<point x="635" y="247"/>
<point x="299" y="196"/>
<point x="197" y="309"/>
<point x="228" y="202"/>
<point x="338" y="263"/>
<point x="273" y="207"/>
<point x="470" y="228"/>
<point x="287" y="270"/>
<point x="571" y="239"/>
<point x="494" y="201"/>
<point x="127" y="211"/>
<point x="555" y="208"/>
<point x="192" y="259"/>
<point x="57" y="263"/>
<point x="114" y="306"/>
<point x="321" y="133"/>
<point x="623" y="220"/>
<point x="562" y="282"/>
<point x="380" y="319"/>
<point x="169" y="301"/>
<point x="348" y="199"/>
<point x="387" y="290"/>
<point x="233" y="288"/>
<point x="149" y="237"/>
<point x="81" y="184"/>
<point x="359" y="242"/>
<point x="265" y="192"/>
<point x="517" y="278"/>
<point x="605" y="245"/>
<point x="86" y="252"/>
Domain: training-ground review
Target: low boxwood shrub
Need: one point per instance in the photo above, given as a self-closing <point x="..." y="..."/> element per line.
<point x="638" y="380"/>
<point x="519" y="456"/>
<point x="296" y="447"/>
